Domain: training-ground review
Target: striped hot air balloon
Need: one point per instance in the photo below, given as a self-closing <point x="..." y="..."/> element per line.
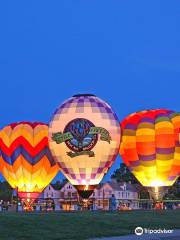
<point x="150" y="146"/>
<point x="26" y="161"/>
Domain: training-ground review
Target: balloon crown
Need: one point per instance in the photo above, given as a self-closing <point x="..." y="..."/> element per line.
<point x="84" y="94"/>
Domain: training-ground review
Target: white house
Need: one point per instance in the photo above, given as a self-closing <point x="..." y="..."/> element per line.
<point x="123" y="192"/>
<point x="68" y="191"/>
<point x="67" y="197"/>
<point x="52" y="193"/>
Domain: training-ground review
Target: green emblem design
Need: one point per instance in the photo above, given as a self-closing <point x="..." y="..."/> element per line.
<point x="80" y="136"/>
<point x="62" y="137"/>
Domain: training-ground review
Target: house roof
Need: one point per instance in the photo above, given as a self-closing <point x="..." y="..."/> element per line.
<point x="67" y="183"/>
<point x="119" y="186"/>
<point x="99" y="186"/>
<point x="130" y="187"/>
<point x="116" y="186"/>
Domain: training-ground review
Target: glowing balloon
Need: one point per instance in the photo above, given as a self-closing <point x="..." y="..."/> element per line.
<point x="84" y="137"/>
<point x="26" y="160"/>
<point x="150" y="146"/>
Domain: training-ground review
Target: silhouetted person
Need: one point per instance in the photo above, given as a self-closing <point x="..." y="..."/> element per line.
<point x="112" y="203"/>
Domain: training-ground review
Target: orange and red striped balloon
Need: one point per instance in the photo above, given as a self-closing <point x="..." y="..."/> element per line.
<point x="150" y="146"/>
<point x="26" y="161"/>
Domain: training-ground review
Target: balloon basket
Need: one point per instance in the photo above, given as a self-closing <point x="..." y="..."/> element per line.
<point x="27" y="199"/>
<point x="157" y="193"/>
<point x="84" y="204"/>
<point x="85" y="191"/>
<point x="27" y="206"/>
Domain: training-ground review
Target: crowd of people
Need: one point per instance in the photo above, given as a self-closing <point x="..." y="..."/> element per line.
<point x="114" y="205"/>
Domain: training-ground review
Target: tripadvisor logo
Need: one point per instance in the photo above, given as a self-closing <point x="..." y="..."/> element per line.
<point x="158" y="230"/>
<point x="139" y="231"/>
<point x="80" y="136"/>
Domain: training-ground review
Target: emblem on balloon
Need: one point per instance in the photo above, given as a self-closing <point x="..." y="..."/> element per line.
<point x="80" y="136"/>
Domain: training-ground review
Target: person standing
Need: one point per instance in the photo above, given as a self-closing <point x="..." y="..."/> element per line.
<point x="112" y="203"/>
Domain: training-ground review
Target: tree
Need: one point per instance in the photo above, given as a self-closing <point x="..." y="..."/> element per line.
<point x="174" y="191"/>
<point x="123" y="174"/>
<point x="5" y="191"/>
<point x="58" y="184"/>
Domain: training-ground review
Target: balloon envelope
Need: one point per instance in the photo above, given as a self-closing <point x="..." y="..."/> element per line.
<point x="84" y="137"/>
<point x="26" y="160"/>
<point x="150" y="146"/>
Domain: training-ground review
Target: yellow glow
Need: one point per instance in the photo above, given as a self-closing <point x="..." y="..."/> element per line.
<point x="157" y="183"/>
<point x="84" y="182"/>
<point x="148" y="181"/>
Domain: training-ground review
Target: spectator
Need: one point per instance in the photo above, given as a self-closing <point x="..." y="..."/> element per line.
<point x="112" y="203"/>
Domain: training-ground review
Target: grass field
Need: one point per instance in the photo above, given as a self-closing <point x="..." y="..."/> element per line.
<point x="81" y="225"/>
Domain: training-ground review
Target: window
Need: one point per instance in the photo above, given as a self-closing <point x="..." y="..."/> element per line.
<point x="62" y="194"/>
<point x="105" y="203"/>
<point x="49" y="188"/>
<point x="52" y="194"/>
<point x="74" y="195"/>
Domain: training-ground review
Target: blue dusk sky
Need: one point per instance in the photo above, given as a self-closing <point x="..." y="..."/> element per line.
<point x="125" y="52"/>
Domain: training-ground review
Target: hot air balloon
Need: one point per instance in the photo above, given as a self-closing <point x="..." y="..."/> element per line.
<point x="26" y="161"/>
<point x="84" y="137"/>
<point x="150" y="147"/>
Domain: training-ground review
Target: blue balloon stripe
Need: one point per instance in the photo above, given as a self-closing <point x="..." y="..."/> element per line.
<point x="32" y="160"/>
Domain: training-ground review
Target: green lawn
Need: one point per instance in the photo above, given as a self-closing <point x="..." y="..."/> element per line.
<point x="82" y="225"/>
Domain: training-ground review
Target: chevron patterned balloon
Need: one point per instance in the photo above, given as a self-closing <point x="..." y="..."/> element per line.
<point x="150" y="146"/>
<point x="26" y="161"/>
